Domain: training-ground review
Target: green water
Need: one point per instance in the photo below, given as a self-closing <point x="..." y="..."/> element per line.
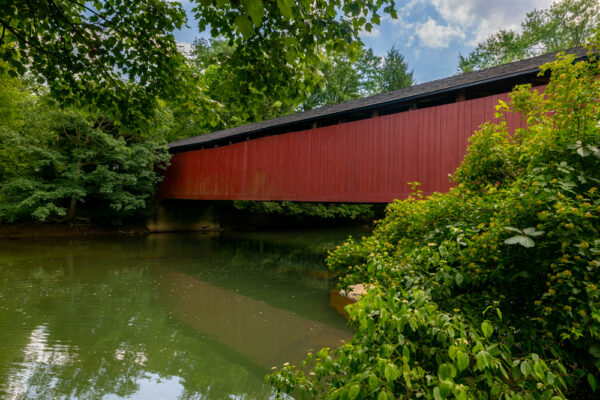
<point x="167" y="316"/>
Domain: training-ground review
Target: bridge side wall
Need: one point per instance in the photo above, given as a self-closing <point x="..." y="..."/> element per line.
<point x="365" y="161"/>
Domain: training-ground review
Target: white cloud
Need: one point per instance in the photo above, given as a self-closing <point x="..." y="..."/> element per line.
<point x="401" y="28"/>
<point x="481" y="18"/>
<point x="437" y="36"/>
<point x="412" y="4"/>
<point x="393" y="21"/>
<point x="373" y="34"/>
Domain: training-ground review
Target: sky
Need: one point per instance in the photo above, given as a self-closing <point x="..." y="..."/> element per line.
<point x="431" y="33"/>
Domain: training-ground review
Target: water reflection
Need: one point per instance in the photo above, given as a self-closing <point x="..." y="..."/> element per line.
<point x="265" y="335"/>
<point x="167" y="316"/>
<point x="36" y="355"/>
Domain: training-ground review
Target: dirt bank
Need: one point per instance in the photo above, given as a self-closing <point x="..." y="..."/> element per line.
<point x="39" y="229"/>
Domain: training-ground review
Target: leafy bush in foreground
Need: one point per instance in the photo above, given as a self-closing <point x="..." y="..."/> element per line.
<point x="490" y="291"/>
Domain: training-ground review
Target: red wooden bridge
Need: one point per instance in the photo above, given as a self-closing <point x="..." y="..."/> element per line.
<point x="362" y="151"/>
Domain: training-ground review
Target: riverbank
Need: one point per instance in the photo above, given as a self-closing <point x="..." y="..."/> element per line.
<point x="193" y="216"/>
<point x="29" y="230"/>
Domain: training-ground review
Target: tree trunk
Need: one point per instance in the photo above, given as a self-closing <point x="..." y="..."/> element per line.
<point x="71" y="212"/>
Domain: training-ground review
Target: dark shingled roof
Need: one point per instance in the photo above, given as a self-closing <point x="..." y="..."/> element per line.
<point x="406" y="95"/>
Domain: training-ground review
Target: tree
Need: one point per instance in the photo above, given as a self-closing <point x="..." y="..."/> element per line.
<point x="340" y="82"/>
<point x="279" y="43"/>
<point x="340" y="78"/>
<point x="345" y="79"/>
<point x="235" y="88"/>
<point x="13" y="100"/>
<point x="566" y="24"/>
<point x="117" y="55"/>
<point x="394" y="72"/>
<point x="120" y="55"/>
<point x="369" y="71"/>
<point x="54" y="162"/>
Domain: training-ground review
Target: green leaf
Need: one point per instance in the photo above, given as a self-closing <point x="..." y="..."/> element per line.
<point x="538" y="370"/>
<point x="583" y="151"/>
<point x="462" y="360"/>
<point x="510" y="228"/>
<point x="255" y="9"/>
<point x="354" y="392"/>
<point x="487" y="328"/>
<point x="483" y="359"/>
<point x="592" y="381"/>
<point x="382" y="396"/>
<point x="532" y="232"/>
<point x="390" y="373"/>
<point x="446" y="371"/>
<point x="526" y="368"/>
<point x="285" y="7"/>
<point x="595" y="351"/>
<point x="245" y="26"/>
<point x="373" y="382"/>
<point x="459" y="278"/>
<point x="445" y="388"/>
<point x="460" y="394"/>
<point x="522" y="240"/>
<point x="406" y="353"/>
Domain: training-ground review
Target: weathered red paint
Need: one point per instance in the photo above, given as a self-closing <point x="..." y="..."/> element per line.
<point x="366" y="161"/>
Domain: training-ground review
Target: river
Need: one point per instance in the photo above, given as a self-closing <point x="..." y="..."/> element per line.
<point x="165" y="316"/>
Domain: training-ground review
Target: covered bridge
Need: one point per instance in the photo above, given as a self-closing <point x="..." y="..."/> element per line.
<point x="360" y="151"/>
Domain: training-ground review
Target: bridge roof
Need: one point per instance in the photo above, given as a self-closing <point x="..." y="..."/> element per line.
<point x="507" y="72"/>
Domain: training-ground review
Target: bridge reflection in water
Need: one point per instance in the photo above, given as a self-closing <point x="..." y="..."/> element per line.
<point x="265" y="335"/>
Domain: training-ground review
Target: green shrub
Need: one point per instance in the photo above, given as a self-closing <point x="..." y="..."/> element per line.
<point x="302" y="210"/>
<point x="490" y="291"/>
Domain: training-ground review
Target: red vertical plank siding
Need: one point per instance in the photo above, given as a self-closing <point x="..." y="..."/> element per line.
<point x="437" y="163"/>
<point x="369" y="160"/>
<point x="440" y="129"/>
<point x="452" y="142"/>
<point x="411" y="146"/>
<point x="429" y="148"/>
<point x="426" y="143"/>
<point x="448" y="136"/>
<point x="396" y="149"/>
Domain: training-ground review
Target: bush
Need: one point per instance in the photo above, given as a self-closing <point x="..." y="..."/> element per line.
<point x="302" y="210"/>
<point x="491" y="290"/>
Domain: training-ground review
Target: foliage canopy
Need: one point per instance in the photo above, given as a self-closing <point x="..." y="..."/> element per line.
<point x="115" y="55"/>
<point x="121" y="56"/>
